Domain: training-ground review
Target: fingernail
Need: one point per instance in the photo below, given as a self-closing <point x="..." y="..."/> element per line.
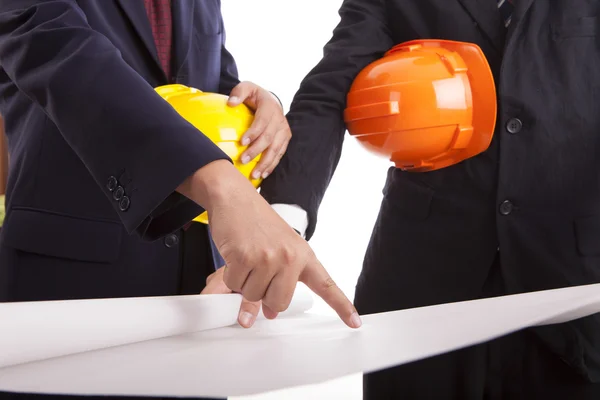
<point x="246" y="318"/>
<point x="245" y="159"/>
<point x="234" y="100"/>
<point x="265" y="175"/>
<point x="256" y="174"/>
<point x="245" y="141"/>
<point x="355" y="320"/>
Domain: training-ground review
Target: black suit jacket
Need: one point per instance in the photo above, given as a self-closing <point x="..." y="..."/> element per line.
<point x="535" y="194"/>
<point x="95" y="153"/>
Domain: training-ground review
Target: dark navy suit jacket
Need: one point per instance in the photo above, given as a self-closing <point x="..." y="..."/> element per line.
<point x="95" y="153"/>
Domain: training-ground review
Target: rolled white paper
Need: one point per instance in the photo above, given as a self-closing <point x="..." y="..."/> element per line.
<point x="33" y="331"/>
<point x="300" y="349"/>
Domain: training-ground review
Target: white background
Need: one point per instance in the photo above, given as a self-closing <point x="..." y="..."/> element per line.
<point x="275" y="44"/>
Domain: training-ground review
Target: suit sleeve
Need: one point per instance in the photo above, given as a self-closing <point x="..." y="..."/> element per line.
<point x="316" y="112"/>
<point x="229" y="72"/>
<point x="110" y="116"/>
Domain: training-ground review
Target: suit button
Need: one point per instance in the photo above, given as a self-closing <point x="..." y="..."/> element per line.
<point x="112" y="183"/>
<point x="171" y="240"/>
<point x="506" y="207"/>
<point x="514" y="125"/>
<point x="124" y="203"/>
<point x="118" y="193"/>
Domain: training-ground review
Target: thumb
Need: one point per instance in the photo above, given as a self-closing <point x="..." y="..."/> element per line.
<point x="242" y="93"/>
<point x="248" y="312"/>
<point x="216" y="287"/>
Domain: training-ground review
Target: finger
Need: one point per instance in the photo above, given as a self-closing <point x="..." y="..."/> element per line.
<point x="210" y="278"/>
<point x="218" y="274"/>
<point x="263" y="122"/>
<point x="248" y="312"/>
<point x="268" y="112"/>
<point x="268" y="313"/>
<point x="271" y="157"/>
<point x="256" y="285"/>
<point x="318" y="280"/>
<point x="235" y="279"/>
<point x="264" y="141"/>
<point x="280" y="291"/>
<point x="267" y="158"/>
<point x="244" y="92"/>
<point x="216" y="287"/>
<point x="277" y="159"/>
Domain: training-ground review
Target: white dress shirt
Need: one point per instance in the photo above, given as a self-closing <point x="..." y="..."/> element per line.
<point x="294" y="215"/>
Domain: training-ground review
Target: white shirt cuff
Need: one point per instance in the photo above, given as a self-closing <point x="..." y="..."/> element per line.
<point x="294" y="215"/>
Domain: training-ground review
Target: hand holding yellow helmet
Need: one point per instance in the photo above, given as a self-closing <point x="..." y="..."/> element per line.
<point x="224" y="125"/>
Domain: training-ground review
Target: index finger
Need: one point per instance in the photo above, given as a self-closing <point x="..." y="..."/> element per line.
<point x="262" y="118"/>
<point x="318" y="280"/>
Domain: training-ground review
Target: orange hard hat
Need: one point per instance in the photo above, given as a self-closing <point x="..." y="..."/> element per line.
<point x="426" y="104"/>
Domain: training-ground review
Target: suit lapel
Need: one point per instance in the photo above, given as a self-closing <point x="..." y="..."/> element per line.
<point x="486" y="13"/>
<point x="136" y="12"/>
<point x="183" y="24"/>
<point x="521" y="8"/>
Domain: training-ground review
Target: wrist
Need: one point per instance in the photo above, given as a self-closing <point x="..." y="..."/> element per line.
<point x="277" y="98"/>
<point x="212" y="184"/>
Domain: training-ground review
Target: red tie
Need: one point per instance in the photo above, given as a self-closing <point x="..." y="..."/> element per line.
<point x="159" y="13"/>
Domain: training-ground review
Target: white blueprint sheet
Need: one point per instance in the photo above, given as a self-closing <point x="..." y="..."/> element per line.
<point x="192" y="346"/>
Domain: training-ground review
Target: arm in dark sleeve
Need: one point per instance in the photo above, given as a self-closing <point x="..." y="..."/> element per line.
<point x="110" y="116"/>
<point x="229" y="72"/>
<point x="316" y="112"/>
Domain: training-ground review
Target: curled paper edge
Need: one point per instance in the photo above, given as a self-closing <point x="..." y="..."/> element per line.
<point x="35" y="331"/>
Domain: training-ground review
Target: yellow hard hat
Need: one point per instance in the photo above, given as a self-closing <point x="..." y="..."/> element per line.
<point x="222" y="124"/>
